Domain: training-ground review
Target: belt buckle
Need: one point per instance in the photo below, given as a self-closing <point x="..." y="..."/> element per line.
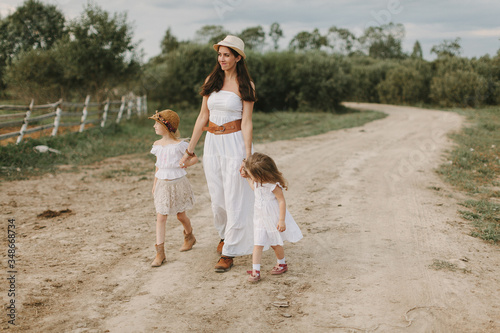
<point x="222" y="130"/>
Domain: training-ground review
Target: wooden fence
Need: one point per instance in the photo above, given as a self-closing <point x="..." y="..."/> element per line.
<point x="67" y="114"/>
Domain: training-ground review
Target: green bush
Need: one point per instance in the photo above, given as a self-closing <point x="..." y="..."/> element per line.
<point x="365" y="74"/>
<point x="459" y="88"/>
<point x="36" y="74"/>
<point x="173" y="80"/>
<point x="403" y="85"/>
<point x="271" y="73"/>
<point x="489" y="68"/>
<point x="319" y="81"/>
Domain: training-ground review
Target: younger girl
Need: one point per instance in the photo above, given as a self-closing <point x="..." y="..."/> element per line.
<point x="272" y="222"/>
<point x="171" y="189"/>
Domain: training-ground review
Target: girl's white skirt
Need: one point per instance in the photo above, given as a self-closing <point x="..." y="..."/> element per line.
<point x="173" y="196"/>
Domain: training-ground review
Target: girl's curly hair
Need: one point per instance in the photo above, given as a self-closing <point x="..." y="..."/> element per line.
<point x="264" y="170"/>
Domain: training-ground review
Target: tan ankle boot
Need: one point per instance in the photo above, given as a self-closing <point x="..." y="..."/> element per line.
<point x="189" y="241"/>
<point x="160" y="255"/>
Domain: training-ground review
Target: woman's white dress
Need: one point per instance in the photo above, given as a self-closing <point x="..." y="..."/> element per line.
<point x="266" y="217"/>
<point x="232" y="198"/>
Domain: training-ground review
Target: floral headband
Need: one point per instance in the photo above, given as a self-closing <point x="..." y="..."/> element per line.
<point x="166" y="123"/>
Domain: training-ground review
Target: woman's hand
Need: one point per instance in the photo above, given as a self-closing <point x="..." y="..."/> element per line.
<point x="242" y="168"/>
<point x="243" y="172"/>
<point x="281" y="226"/>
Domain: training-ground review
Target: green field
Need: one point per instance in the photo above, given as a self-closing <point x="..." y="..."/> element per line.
<point x="137" y="135"/>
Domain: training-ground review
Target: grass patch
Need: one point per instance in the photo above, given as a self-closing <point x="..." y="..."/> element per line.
<point x="288" y="125"/>
<point x="137" y="135"/>
<point x="485" y="216"/>
<point x="474" y="168"/>
<point x="95" y="144"/>
<point x="440" y="265"/>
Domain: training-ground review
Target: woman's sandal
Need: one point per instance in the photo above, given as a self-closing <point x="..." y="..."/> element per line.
<point x="279" y="269"/>
<point x="253" y="278"/>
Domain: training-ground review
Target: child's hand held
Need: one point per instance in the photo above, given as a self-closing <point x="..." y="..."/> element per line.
<point x="243" y="173"/>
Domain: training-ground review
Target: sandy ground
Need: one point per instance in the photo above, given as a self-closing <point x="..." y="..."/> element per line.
<point x="384" y="249"/>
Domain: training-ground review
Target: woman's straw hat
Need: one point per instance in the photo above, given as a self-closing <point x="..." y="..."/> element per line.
<point x="168" y="118"/>
<point x="233" y="42"/>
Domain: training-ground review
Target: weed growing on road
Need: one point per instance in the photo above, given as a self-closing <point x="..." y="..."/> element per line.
<point x="439" y="265"/>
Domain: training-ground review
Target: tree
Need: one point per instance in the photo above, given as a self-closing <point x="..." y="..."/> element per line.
<point x="308" y="41"/>
<point x="36" y="74"/>
<point x="385" y="41"/>
<point x="275" y="33"/>
<point x="417" y="51"/>
<point x="253" y="37"/>
<point x="98" y="54"/>
<point x="32" y="26"/>
<point x="169" y="42"/>
<point x="210" y="34"/>
<point x="340" y="40"/>
<point x="448" y="48"/>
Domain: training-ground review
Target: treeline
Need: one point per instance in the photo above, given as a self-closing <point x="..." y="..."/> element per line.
<point x="43" y="56"/>
<point x="317" y="72"/>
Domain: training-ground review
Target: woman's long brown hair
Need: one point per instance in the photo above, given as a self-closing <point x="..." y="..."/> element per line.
<point x="216" y="80"/>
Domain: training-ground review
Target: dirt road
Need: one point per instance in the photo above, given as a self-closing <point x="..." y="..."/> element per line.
<point x="383" y="250"/>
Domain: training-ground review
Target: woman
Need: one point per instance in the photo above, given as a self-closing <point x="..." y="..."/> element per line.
<point x="227" y="106"/>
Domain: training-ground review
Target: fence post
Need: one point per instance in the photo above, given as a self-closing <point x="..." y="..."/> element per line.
<point x="105" y="114"/>
<point x="120" y="113"/>
<point x="145" y="104"/>
<point x="25" y="122"/>
<point x="57" y="119"/>
<point x="129" y="108"/>
<point x="138" y="106"/>
<point x="84" y="113"/>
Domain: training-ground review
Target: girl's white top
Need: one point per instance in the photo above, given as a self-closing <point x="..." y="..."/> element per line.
<point x="167" y="160"/>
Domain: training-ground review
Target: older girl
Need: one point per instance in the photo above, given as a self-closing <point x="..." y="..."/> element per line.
<point x="171" y="189"/>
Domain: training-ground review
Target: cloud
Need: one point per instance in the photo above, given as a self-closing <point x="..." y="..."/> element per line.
<point x="429" y="21"/>
<point x="6" y="9"/>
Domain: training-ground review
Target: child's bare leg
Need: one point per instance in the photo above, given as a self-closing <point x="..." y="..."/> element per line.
<point x="186" y="222"/>
<point x="256" y="258"/>
<point x="189" y="239"/>
<point x="161" y="221"/>
<point x="279" y="251"/>
<point x="281" y="266"/>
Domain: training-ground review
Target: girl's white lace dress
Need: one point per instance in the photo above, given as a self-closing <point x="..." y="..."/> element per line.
<point x="173" y="193"/>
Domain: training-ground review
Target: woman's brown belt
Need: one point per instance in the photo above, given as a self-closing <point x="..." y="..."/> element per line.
<point x="230" y="127"/>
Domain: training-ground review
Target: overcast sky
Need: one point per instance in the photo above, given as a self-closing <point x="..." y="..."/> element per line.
<point x="428" y="21"/>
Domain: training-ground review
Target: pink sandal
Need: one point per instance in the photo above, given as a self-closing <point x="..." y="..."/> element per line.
<point x="280" y="269"/>
<point x="253" y="278"/>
